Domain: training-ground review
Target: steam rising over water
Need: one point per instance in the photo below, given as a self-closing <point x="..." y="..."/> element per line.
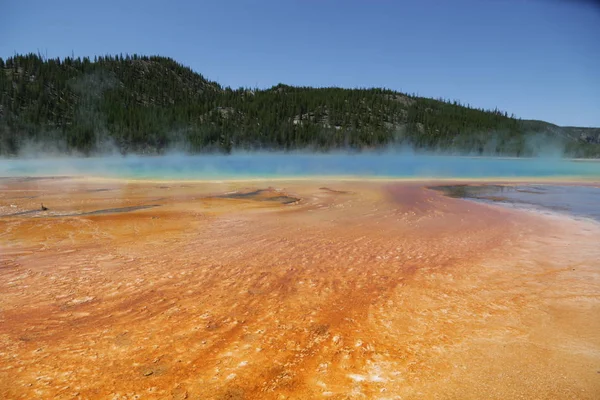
<point x="277" y="165"/>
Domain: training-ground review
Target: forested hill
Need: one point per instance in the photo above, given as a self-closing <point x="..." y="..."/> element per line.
<point x="151" y="104"/>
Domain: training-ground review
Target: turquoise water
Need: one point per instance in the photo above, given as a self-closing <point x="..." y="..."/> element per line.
<point x="276" y="165"/>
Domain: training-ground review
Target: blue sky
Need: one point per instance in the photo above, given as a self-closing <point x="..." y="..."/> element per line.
<point x="534" y="58"/>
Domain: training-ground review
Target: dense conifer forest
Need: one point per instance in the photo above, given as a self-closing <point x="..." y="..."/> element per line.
<point x="149" y="105"/>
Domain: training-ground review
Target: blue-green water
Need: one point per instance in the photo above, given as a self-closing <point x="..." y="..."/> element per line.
<point x="277" y="165"/>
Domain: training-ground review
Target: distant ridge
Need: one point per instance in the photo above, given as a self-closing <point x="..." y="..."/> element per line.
<point x="147" y="105"/>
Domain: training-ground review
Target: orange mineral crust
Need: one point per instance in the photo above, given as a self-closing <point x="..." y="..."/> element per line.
<point x="290" y="290"/>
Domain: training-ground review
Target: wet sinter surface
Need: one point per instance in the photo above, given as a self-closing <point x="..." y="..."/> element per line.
<point x="355" y="290"/>
<point x="577" y="201"/>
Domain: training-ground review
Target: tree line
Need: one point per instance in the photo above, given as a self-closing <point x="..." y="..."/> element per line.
<point x="148" y="104"/>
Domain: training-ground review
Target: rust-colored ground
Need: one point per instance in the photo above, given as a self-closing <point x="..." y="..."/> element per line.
<point x="371" y="290"/>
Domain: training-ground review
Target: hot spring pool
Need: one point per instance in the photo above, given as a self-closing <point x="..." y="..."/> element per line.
<point x="281" y="165"/>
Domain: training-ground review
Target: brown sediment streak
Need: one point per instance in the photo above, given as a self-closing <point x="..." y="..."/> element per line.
<point x="269" y="194"/>
<point x="225" y="291"/>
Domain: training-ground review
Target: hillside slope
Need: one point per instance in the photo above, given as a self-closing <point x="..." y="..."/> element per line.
<point x="150" y="104"/>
